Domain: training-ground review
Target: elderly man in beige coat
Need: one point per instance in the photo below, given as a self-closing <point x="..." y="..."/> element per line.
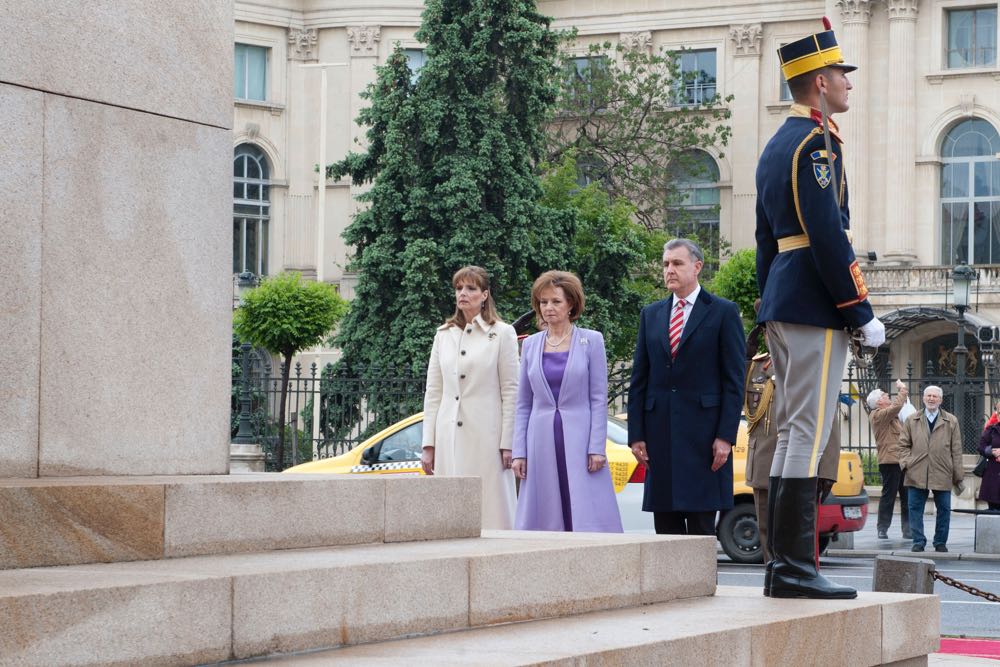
<point x="930" y="454"/>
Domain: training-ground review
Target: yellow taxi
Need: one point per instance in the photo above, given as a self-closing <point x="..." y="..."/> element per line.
<point x="396" y="451"/>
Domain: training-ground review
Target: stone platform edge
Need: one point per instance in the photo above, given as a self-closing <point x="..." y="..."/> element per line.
<point x="737" y="627"/>
<point x="79" y="520"/>
<point x="212" y="608"/>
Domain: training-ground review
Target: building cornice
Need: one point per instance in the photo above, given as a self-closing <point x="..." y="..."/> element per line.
<point x="614" y="21"/>
<point x="319" y="14"/>
<point x="329" y="14"/>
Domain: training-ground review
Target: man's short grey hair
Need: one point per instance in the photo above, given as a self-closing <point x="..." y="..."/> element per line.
<point x="934" y="389"/>
<point x="873" y="398"/>
<point x="685" y="243"/>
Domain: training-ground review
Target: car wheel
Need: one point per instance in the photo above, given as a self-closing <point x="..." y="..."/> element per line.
<point x="824" y="542"/>
<point x="739" y="535"/>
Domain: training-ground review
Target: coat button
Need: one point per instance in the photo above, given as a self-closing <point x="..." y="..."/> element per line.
<point x="469" y="330"/>
<point x="459" y="423"/>
<point x="456" y="398"/>
<point x="462" y="376"/>
<point x="463" y="351"/>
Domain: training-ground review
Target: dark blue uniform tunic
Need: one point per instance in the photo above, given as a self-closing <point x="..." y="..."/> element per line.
<point x="817" y="283"/>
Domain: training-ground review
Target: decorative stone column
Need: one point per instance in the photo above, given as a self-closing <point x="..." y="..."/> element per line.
<point x="867" y="229"/>
<point x="637" y="41"/>
<point x="743" y="152"/>
<point x="363" y="41"/>
<point x="363" y="50"/>
<point x="298" y="225"/>
<point x="901" y="152"/>
<point x="302" y="44"/>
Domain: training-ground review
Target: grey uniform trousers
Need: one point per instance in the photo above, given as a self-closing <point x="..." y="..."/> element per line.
<point x="808" y="364"/>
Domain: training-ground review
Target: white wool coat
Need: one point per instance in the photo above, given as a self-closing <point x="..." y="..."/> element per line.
<point x="469" y="407"/>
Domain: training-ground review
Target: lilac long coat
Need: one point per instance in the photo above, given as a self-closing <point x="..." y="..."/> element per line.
<point x="583" y="407"/>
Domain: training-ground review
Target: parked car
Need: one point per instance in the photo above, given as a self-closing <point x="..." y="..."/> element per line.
<point x="396" y="451"/>
<point x="844" y="510"/>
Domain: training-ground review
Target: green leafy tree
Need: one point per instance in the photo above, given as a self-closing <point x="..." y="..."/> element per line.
<point x="736" y="280"/>
<point x="284" y="316"/>
<point x="639" y="127"/>
<point x="607" y="248"/>
<point x="451" y="160"/>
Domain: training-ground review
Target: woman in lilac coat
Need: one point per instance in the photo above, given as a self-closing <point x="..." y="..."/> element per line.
<point x="561" y="419"/>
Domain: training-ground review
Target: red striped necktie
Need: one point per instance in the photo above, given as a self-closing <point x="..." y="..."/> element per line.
<point x="676" y="327"/>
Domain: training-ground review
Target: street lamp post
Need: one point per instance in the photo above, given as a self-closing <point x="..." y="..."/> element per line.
<point x="962" y="277"/>
<point x="245" y="434"/>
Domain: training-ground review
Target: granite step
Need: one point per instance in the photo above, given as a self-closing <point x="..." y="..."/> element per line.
<point x="203" y="609"/>
<point x="737" y="627"/>
<point x="78" y="520"/>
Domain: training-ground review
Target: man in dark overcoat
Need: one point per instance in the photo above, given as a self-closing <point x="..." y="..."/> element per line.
<point x="685" y="397"/>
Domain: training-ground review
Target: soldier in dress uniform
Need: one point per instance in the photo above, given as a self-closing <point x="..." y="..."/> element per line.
<point x="811" y="290"/>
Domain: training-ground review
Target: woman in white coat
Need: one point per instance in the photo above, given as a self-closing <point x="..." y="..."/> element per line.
<point x="470" y="399"/>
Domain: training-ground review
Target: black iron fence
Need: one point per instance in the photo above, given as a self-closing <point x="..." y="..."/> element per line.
<point x="356" y="403"/>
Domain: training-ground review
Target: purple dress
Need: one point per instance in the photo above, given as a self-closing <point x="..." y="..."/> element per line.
<point x="553" y="367"/>
<point x="560" y="420"/>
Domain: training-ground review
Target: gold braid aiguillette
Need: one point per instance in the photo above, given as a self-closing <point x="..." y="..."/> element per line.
<point x="755" y="411"/>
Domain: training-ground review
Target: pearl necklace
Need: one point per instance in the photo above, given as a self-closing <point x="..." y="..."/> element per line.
<point x="548" y="341"/>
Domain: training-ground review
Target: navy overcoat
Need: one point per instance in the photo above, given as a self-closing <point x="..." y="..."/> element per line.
<point x="680" y="406"/>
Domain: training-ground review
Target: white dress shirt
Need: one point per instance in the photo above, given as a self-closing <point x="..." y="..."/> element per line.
<point x="688" y="302"/>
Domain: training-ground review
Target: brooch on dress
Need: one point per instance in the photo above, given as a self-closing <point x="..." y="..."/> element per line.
<point x="584" y="341"/>
<point x="491" y="335"/>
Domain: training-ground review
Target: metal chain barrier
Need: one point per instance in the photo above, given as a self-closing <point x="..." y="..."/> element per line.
<point x="992" y="597"/>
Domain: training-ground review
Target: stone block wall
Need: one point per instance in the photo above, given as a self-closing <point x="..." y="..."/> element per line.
<point x="115" y="237"/>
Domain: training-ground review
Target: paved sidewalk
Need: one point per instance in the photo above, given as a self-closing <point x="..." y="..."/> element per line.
<point x="961" y="540"/>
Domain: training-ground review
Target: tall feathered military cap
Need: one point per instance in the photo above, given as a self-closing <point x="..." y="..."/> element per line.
<point x="812" y="53"/>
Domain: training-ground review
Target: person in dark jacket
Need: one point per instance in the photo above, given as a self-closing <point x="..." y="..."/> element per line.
<point x="989" y="446"/>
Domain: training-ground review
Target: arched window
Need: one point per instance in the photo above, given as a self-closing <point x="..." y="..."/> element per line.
<point x="695" y="175"/>
<point x="970" y="194"/>
<point x="251" y="210"/>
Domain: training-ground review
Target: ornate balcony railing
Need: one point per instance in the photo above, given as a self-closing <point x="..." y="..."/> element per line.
<point x="927" y="278"/>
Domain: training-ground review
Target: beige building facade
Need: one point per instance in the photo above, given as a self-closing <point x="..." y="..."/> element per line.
<point x="922" y="139"/>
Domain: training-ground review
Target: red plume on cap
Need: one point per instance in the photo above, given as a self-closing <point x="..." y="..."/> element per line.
<point x="826" y="24"/>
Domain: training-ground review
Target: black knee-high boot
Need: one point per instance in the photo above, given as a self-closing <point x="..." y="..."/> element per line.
<point x="795" y="573"/>
<point x="772" y="493"/>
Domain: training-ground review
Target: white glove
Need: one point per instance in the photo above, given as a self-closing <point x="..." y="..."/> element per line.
<point x="873" y="333"/>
